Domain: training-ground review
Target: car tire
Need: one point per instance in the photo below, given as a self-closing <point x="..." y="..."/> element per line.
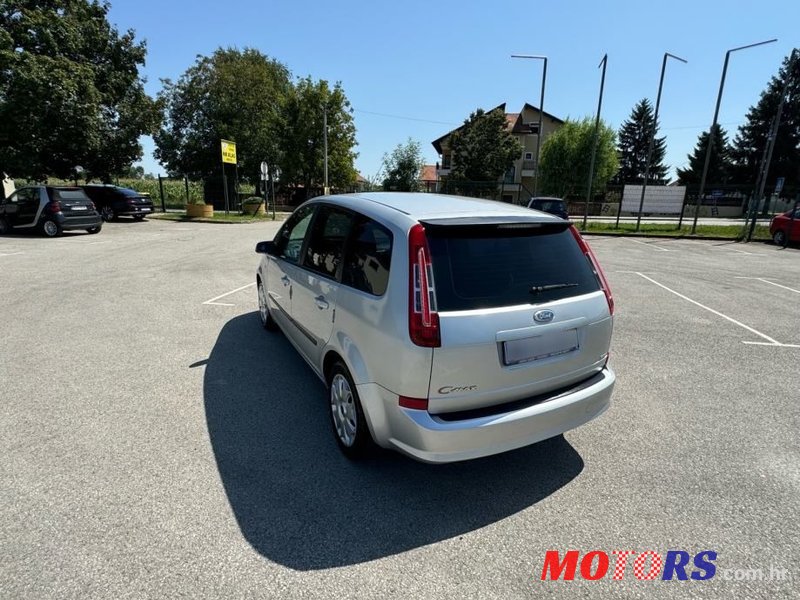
<point x="263" y="310"/>
<point x="138" y="217"/>
<point x="348" y="423"/>
<point x="95" y="229"/>
<point x="779" y="237"/>
<point x="4" y="226"/>
<point x="107" y="213"/>
<point x="50" y="228"/>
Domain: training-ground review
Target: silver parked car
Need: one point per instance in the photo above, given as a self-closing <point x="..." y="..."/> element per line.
<point x="447" y="328"/>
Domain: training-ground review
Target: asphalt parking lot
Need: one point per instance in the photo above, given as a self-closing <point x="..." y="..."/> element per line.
<point x="157" y="442"/>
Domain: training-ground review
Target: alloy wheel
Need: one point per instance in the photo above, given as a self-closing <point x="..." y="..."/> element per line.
<point x="263" y="311"/>
<point x="50" y="229"/>
<point x="343" y="409"/>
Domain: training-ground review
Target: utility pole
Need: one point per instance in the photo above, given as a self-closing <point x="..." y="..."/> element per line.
<point x="603" y="63"/>
<point x="773" y="133"/>
<point x="325" y="141"/>
<point x="653" y="135"/>
<point x="710" y="146"/>
<point x="541" y="113"/>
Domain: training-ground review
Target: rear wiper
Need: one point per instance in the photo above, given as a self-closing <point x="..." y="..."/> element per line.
<point x="553" y="286"/>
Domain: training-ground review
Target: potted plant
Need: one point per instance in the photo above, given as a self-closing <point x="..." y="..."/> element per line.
<point x="253" y="206"/>
<point x="199" y="208"/>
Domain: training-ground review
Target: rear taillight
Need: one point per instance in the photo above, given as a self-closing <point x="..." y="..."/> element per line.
<point x="54" y="207"/>
<point x="423" y="320"/>
<point x="92" y="205"/>
<point x="598" y="271"/>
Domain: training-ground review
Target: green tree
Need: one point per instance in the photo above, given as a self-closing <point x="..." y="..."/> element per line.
<point x="303" y="157"/>
<point x="751" y="139"/>
<point x="719" y="169"/>
<point x="634" y="138"/>
<point x="238" y="95"/>
<point x="403" y="167"/>
<point x="70" y="91"/>
<point x="483" y="149"/>
<point x="566" y="154"/>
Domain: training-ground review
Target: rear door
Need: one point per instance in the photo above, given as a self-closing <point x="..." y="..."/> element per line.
<point x="521" y="313"/>
<point x="316" y="284"/>
<point x="795" y="225"/>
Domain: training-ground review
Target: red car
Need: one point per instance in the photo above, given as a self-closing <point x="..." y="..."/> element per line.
<point x="779" y="228"/>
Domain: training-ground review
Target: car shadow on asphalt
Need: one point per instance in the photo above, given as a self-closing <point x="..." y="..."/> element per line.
<point x="301" y="504"/>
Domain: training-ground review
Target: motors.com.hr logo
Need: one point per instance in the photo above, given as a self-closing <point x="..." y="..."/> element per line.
<point x="675" y="565"/>
<point x="648" y="565"/>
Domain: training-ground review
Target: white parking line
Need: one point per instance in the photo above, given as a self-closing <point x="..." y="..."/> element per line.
<point x="11" y="253"/>
<point x="648" y="245"/>
<point x="771" y="341"/>
<point x="771" y="283"/>
<point x="214" y="302"/>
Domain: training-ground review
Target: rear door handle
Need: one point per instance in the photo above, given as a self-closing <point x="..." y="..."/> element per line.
<point x="322" y="304"/>
<point x="285" y="280"/>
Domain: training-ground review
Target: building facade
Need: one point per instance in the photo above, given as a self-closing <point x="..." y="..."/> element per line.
<point x="519" y="182"/>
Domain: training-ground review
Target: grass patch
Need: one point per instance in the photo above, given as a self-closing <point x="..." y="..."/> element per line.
<point x="733" y="232"/>
<point x="219" y="218"/>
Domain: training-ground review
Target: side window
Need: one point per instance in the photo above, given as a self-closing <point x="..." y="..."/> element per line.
<point x="289" y="240"/>
<point x="368" y="258"/>
<point x="326" y="243"/>
<point x="27" y="196"/>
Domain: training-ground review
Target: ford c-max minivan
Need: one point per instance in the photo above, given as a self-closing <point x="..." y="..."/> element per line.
<point x="447" y="328"/>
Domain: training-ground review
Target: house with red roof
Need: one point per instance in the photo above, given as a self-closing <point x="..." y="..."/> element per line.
<point x="518" y="183"/>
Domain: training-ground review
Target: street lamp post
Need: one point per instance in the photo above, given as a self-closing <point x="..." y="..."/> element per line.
<point x="541" y="113"/>
<point x="325" y="142"/>
<point x="653" y="135"/>
<point x="714" y="126"/>
<point x="594" y="143"/>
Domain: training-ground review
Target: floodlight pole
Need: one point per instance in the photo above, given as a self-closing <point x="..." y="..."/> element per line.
<point x="711" y="131"/>
<point x="603" y="63"/>
<point x="653" y="135"/>
<point x="541" y="113"/>
<point x="325" y="139"/>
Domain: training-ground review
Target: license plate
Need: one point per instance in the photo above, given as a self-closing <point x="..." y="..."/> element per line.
<point x="144" y="209"/>
<point x="539" y="347"/>
<point x="79" y="208"/>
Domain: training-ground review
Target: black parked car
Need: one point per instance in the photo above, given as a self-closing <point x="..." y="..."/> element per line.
<point x="113" y="201"/>
<point x="554" y="206"/>
<point x="49" y="209"/>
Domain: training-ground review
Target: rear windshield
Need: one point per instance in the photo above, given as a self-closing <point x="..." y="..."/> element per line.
<point x="547" y="205"/>
<point x="72" y="195"/>
<point x="129" y="193"/>
<point x="505" y="267"/>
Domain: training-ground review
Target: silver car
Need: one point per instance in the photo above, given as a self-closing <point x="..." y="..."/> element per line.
<point x="447" y="328"/>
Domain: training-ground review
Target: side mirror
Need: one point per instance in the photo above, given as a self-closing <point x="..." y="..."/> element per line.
<point x="266" y="248"/>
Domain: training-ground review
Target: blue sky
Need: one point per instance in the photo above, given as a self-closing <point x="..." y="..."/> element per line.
<point x="432" y="63"/>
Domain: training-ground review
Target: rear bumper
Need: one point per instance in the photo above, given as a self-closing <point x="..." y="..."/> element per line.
<point x="83" y="222"/>
<point x="431" y="439"/>
<point x="133" y="211"/>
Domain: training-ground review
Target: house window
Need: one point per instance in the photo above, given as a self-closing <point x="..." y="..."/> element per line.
<point x="509" y="176"/>
<point x="445" y="161"/>
<point x="533" y="128"/>
<point x="529" y="156"/>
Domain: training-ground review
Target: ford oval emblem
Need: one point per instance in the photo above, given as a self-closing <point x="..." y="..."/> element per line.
<point x="543" y="316"/>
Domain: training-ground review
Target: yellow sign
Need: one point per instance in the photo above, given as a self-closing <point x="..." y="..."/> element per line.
<point x="228" y="152"/>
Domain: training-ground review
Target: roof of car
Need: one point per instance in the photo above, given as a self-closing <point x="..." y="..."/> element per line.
<point x="404" y="206"/>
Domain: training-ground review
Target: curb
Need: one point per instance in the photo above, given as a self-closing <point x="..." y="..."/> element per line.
<point x="715" y="238"/>
<point x="278" y="219"/>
